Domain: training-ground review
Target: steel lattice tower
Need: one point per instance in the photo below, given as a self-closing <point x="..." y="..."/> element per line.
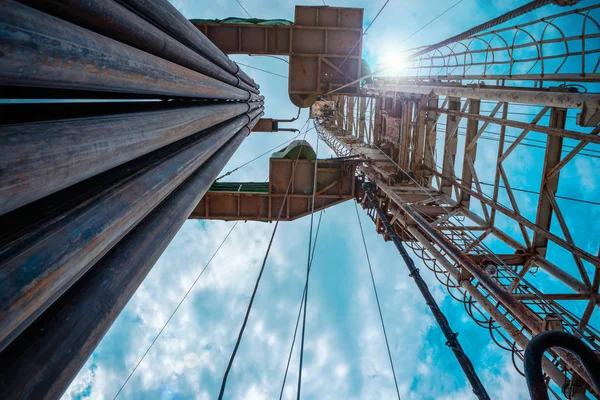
<point x="420" y="135"/>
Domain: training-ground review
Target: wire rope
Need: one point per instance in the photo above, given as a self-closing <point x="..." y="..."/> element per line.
<point x="257" y="157"/>
<point x="263" y="70"/>
<point x="299" y="312"/>
<point x="175" y="310"/>
<point x="244" y="8"/>
<point x="387" y="344"/>
<point x="262" y="268"/>
<point x="364" y="33"/>
<point x="308" y="262"/>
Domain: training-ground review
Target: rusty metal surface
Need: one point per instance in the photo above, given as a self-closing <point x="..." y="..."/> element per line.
<point x="266" y="125"/>
<point x="588" y="103"/>
<point x="335" y="184"/>
<point x="40" y="158"/>
<point x="451" y="337"/>
<point x="431" y="220"/>
<point x="112" y="20"/>
<point x="324" y="45"/>
<point x="44" y="360"/>
<point x="43" y="51"/>
<point x="166" y="17"/>
<point x="35" y="272"/>
<point x="248" y="39"/>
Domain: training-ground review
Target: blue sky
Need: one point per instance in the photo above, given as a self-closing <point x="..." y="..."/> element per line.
<point x="345" y="355"/>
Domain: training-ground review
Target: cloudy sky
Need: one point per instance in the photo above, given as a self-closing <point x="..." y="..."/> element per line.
<point x="345" y="355"/>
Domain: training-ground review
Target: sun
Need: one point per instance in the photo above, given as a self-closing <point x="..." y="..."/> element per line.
<point x="393" y="60"/>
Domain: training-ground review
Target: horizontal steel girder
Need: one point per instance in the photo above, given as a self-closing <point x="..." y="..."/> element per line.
<point x="588" y="103"/>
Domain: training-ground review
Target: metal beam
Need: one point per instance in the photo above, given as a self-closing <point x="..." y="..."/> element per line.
<point x="588" y="102"/>
<point x="520" y="219"/>
<point x="452" y="341"/>
<point x="470" y="152"/>
<point x="565" y="133"/>
<point x="450" y="146"/>
<point x="551" y="159"/>
<point x="515" y="333"/>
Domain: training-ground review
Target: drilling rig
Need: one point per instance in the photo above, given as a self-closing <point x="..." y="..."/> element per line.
<point x="88" y="189"/>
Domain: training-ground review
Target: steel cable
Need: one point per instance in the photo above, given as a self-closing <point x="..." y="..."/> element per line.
<point x="257" y="157"/>
<point x="308" y="262"/>
<point x="299" y="311"/>
<point x="262" y="268"/>
<point x="387" y="344"/>
<point x="175" y="310"/>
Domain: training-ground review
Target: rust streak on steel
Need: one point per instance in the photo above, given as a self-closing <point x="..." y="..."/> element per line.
<point x="43" y="361"/>
<point x="41" y="158"/>
<point x="43" y="51"/>
<point x="113" y="20"/>
<point x="35" y="272"/>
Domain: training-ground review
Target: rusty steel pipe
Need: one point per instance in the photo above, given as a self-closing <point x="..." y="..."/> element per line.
<point x="167" y="18"/>
<point x="115" y="21"/>
<point x="45" y="358"/>
<point x="37" y="270"/>
<point x="40" y="158"/>
<point x="40" y="50"/>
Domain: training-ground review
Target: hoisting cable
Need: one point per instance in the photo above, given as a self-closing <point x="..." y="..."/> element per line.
<point x="175" y="310"/>
<point x="262" y="70"/>
<point x="262" y="268"/>
<point x="517" y="12"/>
<point x="451" y="337"/>
<point x="287" y="367"/>
<point x="268" y="55"/>
<point x="257" y="157"/>
<point x="244" y="8"/>
<point x="387" y="344"/>
<point x="308" y="260"/>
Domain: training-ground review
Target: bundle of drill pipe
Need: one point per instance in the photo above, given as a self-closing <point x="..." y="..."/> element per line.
<point x="116" y="117"/>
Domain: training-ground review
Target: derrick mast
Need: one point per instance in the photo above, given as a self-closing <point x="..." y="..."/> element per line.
<point x="440" y="143"/>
